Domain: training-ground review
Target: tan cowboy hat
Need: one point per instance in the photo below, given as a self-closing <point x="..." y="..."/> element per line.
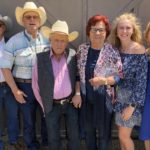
<point x="7" y="21"/>
<point x="59" y="26"/>
<point x="30" y="6"/>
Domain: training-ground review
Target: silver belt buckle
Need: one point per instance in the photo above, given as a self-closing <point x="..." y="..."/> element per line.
<point x="62" y="102"/>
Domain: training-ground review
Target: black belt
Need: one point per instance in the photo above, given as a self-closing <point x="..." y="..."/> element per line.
<point x="23" y="80"/>
<point x="3" y="83"/>
<point x="62" y="101"/>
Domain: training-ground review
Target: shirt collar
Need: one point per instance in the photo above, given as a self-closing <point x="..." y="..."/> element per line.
<point x="52" y="54"/>
<point x="29" y="37"/>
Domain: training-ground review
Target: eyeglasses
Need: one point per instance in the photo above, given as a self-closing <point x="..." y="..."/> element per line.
<point x="101" y="30"/>
<point x="33" y="17"/>
<point x="1" y="25"/>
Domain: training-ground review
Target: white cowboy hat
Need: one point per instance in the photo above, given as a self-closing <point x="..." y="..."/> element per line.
<point x="59" y="26"/>
<point x="7" y="21"/>
<point x="30" y="6"/>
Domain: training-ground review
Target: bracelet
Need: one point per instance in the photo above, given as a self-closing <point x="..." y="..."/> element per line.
<point x="77" y="93"/>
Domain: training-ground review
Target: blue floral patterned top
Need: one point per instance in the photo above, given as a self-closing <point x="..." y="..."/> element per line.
<point x="131" y="89"/>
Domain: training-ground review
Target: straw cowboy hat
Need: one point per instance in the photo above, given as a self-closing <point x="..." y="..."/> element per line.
<point x="30" y="6"/>
<point x="59" y="26"/>
<point x="7" y="21"/>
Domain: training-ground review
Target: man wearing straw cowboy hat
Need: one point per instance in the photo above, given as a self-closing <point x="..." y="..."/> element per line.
<point x="55" y="70"/>
<point x="5" y="26"/>
<point x="18" y="56"/>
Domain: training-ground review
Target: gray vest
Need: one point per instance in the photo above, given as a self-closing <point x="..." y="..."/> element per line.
<point x="46" y="76"/>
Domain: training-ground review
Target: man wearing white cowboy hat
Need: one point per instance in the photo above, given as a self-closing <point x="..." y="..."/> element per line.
<point x="55" y="70"/>
<point x="5" y="26"/>
<point x="18" y="56"/>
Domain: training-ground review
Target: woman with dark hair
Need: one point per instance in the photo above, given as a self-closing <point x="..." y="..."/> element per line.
<point x="100" y="68"/>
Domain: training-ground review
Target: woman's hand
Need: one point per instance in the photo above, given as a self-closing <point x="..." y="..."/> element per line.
<point x="98" y="81"/>
<point x="127" y="113"/>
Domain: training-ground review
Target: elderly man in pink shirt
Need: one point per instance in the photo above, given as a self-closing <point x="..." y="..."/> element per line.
<point x="56" y="86"/>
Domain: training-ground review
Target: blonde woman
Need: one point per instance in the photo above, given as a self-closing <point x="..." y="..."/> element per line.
<point x="145" y="126"/>
<point x="126" y="36"/>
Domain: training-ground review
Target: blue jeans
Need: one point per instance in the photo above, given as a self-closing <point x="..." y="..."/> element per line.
<point x="44" y="134"/>
<point x="4" y="91"/>
<point x="53" y="125"/>
<point x="29" y="116"/>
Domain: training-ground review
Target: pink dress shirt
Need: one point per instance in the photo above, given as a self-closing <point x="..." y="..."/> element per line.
<point x="62" y="84"/>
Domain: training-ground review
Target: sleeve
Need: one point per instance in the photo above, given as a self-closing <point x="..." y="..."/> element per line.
<point x="35" y="85"/>
<point x="139" y="91"/>
<point x="118" y="65"/>
<point x="7" y="55"/>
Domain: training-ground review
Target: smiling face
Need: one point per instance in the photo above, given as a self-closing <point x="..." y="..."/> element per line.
<point x="98" y="33"/>
<point x="124" y="30"/>
<point x="59" y="43"/>
<point x="31" y="21"/>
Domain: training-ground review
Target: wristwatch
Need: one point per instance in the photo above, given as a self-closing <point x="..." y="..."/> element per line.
<point x="132" y="105"/>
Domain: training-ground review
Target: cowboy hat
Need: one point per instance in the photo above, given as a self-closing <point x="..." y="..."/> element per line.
<point x="7" y="21"/>
<point x="59" y="26"/>
<point x="30" y="6"/>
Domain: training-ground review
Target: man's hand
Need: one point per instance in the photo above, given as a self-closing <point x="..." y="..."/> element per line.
<point x="19" y="95"/>
<point x="76" y="100"/>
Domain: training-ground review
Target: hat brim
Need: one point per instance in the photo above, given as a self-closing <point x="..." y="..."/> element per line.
<point x="20" y="12"/>
<point x="8" y="23"/>
<point x="46" y="31"/>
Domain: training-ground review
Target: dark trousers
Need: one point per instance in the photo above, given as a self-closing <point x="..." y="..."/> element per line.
<point x="53" y="125"/>
<point x="97" y="123"/>
<point x="4" y="92"/>
<point x="29" y="116"/>
<point x="44" y="134"/>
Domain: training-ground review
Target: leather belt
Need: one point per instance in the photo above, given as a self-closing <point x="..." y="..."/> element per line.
<point x="23" y="80"/>
<point x="62" y="101"/>
<point x="3" y="83"/>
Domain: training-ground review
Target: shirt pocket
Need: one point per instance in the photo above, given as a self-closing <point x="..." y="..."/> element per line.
<point x="24" y="57"/>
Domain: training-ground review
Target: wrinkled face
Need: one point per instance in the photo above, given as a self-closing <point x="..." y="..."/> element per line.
<point x="59" y="42"/>
<point x="98" y="33"/>
<point x="124" y="30"/>
<point x="2" y="29"/>
<point x="31" y="21"/>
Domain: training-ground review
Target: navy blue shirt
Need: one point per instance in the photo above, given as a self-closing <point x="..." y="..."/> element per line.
<point x="92" y="58"/>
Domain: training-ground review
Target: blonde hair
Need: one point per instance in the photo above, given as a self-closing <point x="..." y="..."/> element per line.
<point x="137" y="34"/>
<point x="146" y="31"/>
